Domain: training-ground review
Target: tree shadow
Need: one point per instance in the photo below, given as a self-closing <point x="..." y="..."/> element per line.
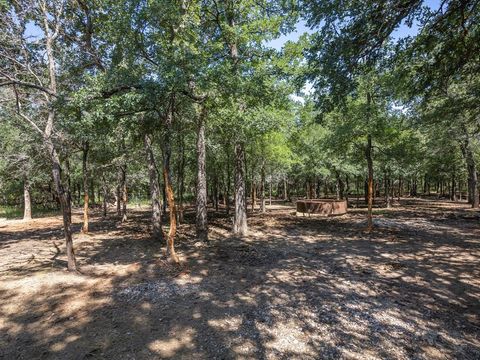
<point x="296" y="287"/>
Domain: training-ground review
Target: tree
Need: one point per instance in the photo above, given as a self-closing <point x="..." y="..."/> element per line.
<point x="25" y="75"/>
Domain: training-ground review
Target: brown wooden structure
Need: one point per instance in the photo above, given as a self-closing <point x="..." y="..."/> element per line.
<point x="322" y="207"/>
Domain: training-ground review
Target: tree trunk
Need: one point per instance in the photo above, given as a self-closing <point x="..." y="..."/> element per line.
<point x="118" y="194"/>
<point x="254" y="195"/>
<point x="63" y="196"/>
<point x="168" y="185"/>
<point x="217" y="192"/>
<point x="285" y="193"/>
<point x="262" y="188"/>
<point x="387" y="192"/>
<point x="368" y="155"/>
<point x="347" y="189"/>
<point x="181" y="179"/>
<point x="453" y="193"/>
<point x="228" y="185"/>
<point x="458" y="185"/>
<point x="270" y="191"/>
<point x="68" y="186"/>
<point x="473" y="196"/>
<point x="357" y="191"/>
<point x="85" y="149"/>
<point x="340" y="186"/>
<point x="27" y="212"/>
<point x="105" y="196"/>
<point x="65" y="206"/>
<point x="240" y="218"/>
<point x="400" y="188"/>
<point x="173" y="216"/>
<point x="124" y="194"/>
<point x="154" y="190"/>
<point x="201" y="213"/>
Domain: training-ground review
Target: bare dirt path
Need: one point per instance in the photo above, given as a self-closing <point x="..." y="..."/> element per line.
<point x="301" y="288"/>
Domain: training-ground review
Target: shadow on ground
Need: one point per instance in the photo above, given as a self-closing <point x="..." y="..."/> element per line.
<point x="303" y="288"/>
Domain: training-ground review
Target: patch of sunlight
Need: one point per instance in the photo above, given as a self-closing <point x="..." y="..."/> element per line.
<point x="59" y="346"/>
<point x="230" y="323"/>
<point x="169" y="347"/>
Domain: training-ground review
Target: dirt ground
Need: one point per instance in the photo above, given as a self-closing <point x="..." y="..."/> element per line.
<point x="295" y="288"/>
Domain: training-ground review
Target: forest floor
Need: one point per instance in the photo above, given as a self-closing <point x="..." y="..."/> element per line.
<point x="295" y="288"/>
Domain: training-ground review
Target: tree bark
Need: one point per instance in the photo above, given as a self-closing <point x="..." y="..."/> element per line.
<point x="105" y="196"/>
<point x="340" y="186"/>
<point x="63" y="198"/>
<point x="27" y="212"/>
<point x="254" y="195"/>
<point x="118" y="194"/>
<point x="168" y="184"/>
<point x="368" y="155"/>
<point x="173" y="216"/>
<point x="473" y="195"/>
<point x="124" y="193"/>
<point x="154" y="190"/>
<point x="201" y="204"/>
<point x="453" y="192"/>
<point x="240" y="218"/>
<point x="85" y="148"/>
<point x="270" y="191"/>
<point x="181" y="179"/>
<point x="262" y="188"/>
<point x="228" y="184"/>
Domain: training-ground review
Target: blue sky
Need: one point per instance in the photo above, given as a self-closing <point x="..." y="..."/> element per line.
<point x="301" y="28"/>
<point x="399" y="33"/>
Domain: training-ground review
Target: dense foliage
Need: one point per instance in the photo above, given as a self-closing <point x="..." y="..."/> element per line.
<point x="183" y="102"/>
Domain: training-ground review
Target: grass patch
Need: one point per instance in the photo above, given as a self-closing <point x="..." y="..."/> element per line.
<point x="16" y="212"/>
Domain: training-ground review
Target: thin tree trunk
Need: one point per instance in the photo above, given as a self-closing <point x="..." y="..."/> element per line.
<point x="400" y="188"/>
<point x="357" y="190"/>
<point x="262" y="188"/>
<point x="473" y="196"/>
<point x="105" y="196"/>
<point x="124" y="193"/>
<point x="254" y="195"/>
<point x="168" y="185"/>
<point x="347" y="190"/>
<point x="118" y="193"/>
<point x="229" y="182"/>
<point x="180" y="178"/>
<point x="68" y="186"/>
<point x="201" y="213"/>
<point x="368" y="155"/>
<point x="240" y="219"/>
<point x="27" y="212"/>
<point x="154" y="190"/>
<point x="63" y="198"/>
<point x="340" y="186"/>
<point x="85" y="149"/>
<point x="453" y="193"/>
<point x="270" y="191"/>
<point x="173" y="216"/>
